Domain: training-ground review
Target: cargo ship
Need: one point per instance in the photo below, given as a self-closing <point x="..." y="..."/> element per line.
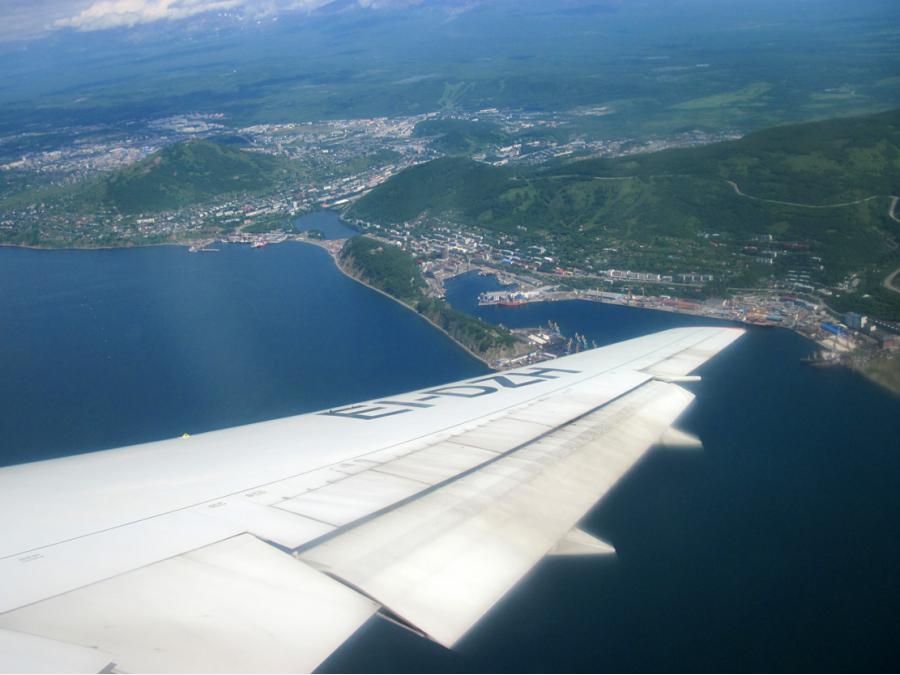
<point x="821" y="358"/>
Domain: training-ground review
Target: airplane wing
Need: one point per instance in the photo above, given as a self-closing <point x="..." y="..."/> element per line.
<point x="262" y="548"/>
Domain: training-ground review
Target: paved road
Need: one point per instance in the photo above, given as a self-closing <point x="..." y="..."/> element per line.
<point x="888" y="282"/>
<point x="738" y="192"/>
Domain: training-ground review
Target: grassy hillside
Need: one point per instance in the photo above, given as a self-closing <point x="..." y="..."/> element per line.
<point x="183" y="174"/>
<point x="460" y="137"/>
<point x="679" y="210"/>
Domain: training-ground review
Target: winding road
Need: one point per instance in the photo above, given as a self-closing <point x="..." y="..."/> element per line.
<point x="738" y="192"/>
<point x="888" y="282"/>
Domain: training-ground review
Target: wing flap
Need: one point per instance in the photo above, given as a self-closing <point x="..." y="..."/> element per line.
<point x="23" y="653"/>
<point x="442" y="561"/>
<point x="33" y="576"/>
<point x="352" y="498"/>
<point x="501" y="435"/>
<point x="235" y="606"/>
<point x="289" y="530"/>
<point x="437" y="463"/>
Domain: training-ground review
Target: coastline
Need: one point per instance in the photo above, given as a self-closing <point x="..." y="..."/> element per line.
<point x="883" y="371"/>
<point x="888" y="379"/>
<point x="37" y="247"/>
<point x="335" y="259"/>
<point x="303" y="240"/>
<point x="333" y="251"/>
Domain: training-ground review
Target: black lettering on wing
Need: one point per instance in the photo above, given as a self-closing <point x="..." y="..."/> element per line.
<point x="365" y="413"/>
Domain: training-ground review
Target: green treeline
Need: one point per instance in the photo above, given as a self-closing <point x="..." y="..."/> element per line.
<point x="394" y="271"/>
<point x="477" y="335"/>
<point x="385" y="267"/>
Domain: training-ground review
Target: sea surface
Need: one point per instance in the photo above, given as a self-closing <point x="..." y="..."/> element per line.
<point x="776" y="548"/>
<point x="100" y="349"/>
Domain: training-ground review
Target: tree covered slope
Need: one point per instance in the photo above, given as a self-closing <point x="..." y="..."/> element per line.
<point x="183" y="174"/>
<point x="658" y="210"/>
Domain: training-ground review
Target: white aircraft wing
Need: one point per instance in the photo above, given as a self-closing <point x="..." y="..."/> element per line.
<point x="262" y="548"/>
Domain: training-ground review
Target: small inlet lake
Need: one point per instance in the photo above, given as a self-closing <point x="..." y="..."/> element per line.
<point x="328" y="223"/>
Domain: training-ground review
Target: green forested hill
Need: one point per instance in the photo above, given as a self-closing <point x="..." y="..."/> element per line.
<point x="449" y="184"/>
<point x="394" y="271"/>
<point x="658" y="211"/>
<point x="385" y="267"/>
<point x="183" y="174"/>
<point x="460" y="137"/>
<point x="823" y="162"/>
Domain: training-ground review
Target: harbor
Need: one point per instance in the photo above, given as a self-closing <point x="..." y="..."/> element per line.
<point x="842" y="338"/>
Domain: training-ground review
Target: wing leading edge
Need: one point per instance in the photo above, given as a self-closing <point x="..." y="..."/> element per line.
<point x="262" y="548"/>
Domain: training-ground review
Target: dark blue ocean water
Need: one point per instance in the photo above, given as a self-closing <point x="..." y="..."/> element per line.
<point x="775" y="549"/>
<point x="105" y="348"/>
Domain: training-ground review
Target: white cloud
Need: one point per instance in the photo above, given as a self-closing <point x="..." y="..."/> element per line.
<point x="111" y="13"/>
<point x="126" y="13"/>
<point x="28" y="19"/>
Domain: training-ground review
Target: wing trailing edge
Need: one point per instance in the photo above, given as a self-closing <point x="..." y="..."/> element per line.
<point x="579" y="542"/>
<point x="236" y="606"/>
<point x="443" y="560"/>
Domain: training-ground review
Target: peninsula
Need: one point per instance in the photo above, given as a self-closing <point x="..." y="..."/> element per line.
<point x="393" y="272"/>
